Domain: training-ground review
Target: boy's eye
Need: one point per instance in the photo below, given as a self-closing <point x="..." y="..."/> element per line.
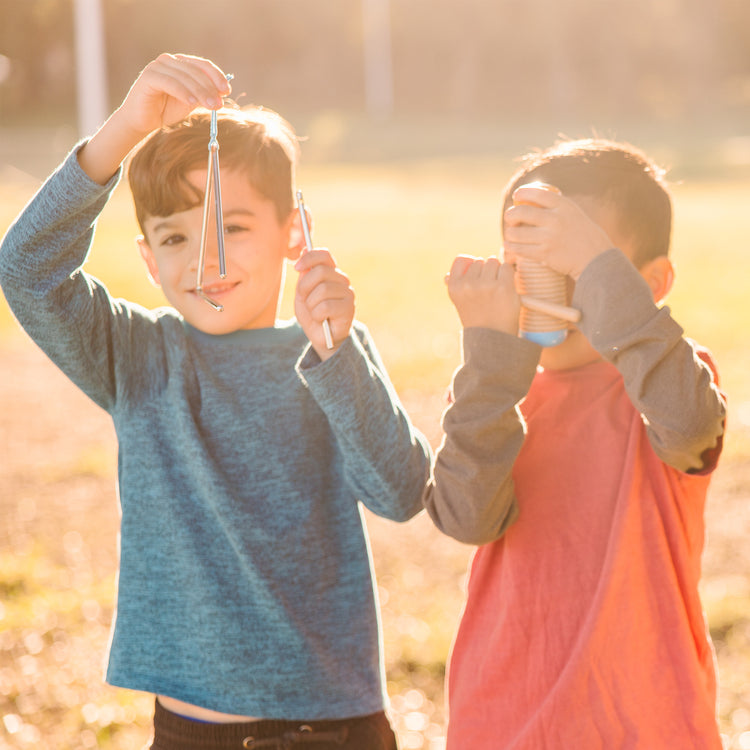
<point x="235" y="228"/>
<point x="172" y="240"/>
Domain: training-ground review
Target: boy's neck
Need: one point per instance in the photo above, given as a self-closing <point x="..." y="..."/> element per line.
<point x="575" y="351"/>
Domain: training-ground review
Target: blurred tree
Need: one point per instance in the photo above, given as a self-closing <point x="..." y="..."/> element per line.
<point x="288" y="54"/>
<point x="517" y="59"/>
<point x="37" y="38"/>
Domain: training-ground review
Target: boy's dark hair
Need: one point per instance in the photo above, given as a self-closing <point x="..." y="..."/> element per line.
<point x="615" y="173"/>
<point x="255" y="142"/>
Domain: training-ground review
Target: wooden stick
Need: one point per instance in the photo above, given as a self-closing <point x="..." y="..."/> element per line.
<point x="569" y="314"/>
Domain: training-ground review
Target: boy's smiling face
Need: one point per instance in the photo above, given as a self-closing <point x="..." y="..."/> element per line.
<point x="256" y="245"/>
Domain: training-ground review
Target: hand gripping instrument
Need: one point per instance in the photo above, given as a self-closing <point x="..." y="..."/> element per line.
<point x="308" y="247"/>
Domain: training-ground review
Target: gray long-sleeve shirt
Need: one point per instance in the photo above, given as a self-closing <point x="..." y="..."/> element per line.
<point x="471" y="495"/>
<point x="245" y="581"/>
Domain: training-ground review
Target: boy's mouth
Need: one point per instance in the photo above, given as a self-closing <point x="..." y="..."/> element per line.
<point x="216" y="289"/>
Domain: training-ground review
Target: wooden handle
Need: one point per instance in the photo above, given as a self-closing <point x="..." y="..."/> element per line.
<point x="562" y="312"/>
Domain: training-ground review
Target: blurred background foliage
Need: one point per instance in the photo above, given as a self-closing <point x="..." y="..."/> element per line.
<point x="684" y="62"/>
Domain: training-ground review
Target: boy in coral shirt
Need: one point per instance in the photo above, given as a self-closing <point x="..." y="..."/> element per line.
<point x="582" y="470"/>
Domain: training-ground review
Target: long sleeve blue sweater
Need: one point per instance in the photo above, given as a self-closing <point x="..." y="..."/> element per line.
<point x="245" y="582"/>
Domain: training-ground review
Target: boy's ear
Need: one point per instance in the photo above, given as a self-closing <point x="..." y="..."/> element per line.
<point x="148" y="257"/>
<point x="659" y="275"/>
<point x="297" y="235"/>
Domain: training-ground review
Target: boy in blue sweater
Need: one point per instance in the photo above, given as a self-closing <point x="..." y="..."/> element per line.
<point x="246" y="445"/>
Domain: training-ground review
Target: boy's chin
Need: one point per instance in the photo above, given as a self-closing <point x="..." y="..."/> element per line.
<point x="575" y="351"/>
<point x="211" y="321"/>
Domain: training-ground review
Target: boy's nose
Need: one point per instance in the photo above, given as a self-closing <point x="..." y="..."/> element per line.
<point x="212" y="250"/>
<point x="211" y="253"/>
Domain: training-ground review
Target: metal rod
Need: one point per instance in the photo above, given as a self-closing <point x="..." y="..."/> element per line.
<point x="308" y="247"/>
<point x="219" y="211"/>
<point x="213" y="190"/>
<point x="204" y="236"/>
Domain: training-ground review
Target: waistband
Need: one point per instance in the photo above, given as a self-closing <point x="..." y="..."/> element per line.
<point x="173" y="730"/>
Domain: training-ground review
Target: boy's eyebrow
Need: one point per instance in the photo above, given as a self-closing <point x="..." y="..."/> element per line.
<point x="240" y="211"/>
<point x="170" y="223"/>
<point x="166" y="224"/>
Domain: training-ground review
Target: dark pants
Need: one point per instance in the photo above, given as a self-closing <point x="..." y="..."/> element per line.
<point x="173" y="732"/>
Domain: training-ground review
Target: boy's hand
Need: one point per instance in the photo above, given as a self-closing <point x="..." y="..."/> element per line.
<point x="552" y="229"/>
<point x="167" y="90"/>
<point x="484" y="293"/>
<point x="323" y="292"/>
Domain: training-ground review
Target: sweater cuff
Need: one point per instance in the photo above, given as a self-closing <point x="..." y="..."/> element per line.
<point x="508" y="360"/>
<point x="615" y="302"/>
<point x="311" y="368"/>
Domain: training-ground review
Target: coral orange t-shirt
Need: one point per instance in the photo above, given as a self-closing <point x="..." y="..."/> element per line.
<point x="583" y="627"/>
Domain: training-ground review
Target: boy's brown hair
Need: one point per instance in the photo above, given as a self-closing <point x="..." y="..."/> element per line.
<point x="619" y="175"/>
<point x="256" y="142"/>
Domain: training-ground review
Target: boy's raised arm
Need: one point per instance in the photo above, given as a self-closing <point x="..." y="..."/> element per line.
<point x="670" y="384"/>
<point x="470" y="495"/>
<point x="167" y="90"/>
<point x="385" y="460"/>
<point x="666" y="381"/>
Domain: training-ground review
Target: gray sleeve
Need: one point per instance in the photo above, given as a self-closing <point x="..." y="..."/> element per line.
<point x="667" y="381"/>
<point x="386" y="459"/>
<point x="67" y="312"/>
<point x="471" y="496"/>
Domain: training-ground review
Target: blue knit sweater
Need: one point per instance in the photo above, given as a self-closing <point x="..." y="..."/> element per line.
<point x="245" y="580"/>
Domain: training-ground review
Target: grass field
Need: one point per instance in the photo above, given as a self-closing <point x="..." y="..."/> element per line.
<point x="395" y="229"/>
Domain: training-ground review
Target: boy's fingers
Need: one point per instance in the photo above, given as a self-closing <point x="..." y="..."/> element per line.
<point x="320" y="256"/>
<point x="191" y="79"/>
<point x="525" y="214"/>
<point x="207" y="75"/>
<point x="468" y="268"/>
<point x="460" y="265"/>
<point x="490" y="267"/>
<point x="525" y="238"/>
<point x="329" y="301"/>
<point x="321" y="280"/>
<point x="542" y="197"/>
<point x="326" y="293"/>
<point x="198" y="68"/>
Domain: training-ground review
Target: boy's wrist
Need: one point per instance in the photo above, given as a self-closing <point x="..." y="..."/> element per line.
<point x="105" y="151"/>
<point x="507" y="325"/>
<point x="324" y="353"/>
<point x="312" y="356"/>
<point x="588" y="259"/>
<point x="614" y="298"/>
<point x="504" y="358"/>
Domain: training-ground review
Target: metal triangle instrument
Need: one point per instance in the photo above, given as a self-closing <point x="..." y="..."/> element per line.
<point x="213" y="190"/>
